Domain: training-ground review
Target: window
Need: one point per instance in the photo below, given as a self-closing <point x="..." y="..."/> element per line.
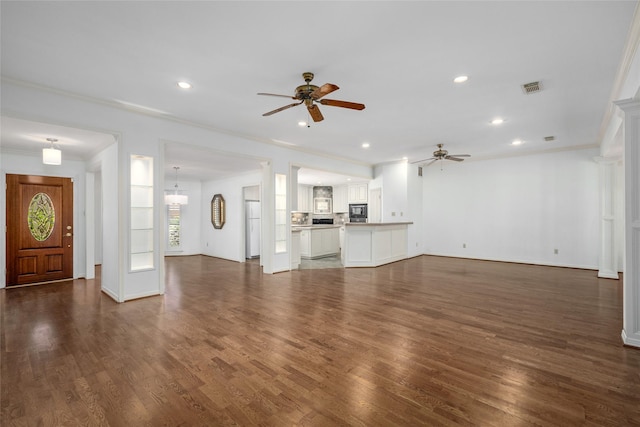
<point x="174" y="226"/>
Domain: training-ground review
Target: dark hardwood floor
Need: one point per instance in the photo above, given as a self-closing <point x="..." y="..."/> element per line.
<point x="427" y="341"/>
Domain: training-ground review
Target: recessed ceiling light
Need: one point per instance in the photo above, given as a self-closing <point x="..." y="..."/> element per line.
<point x="497" y="121"/>
<point x="517" y="142"/>
<point x="461" y="79"/>
<point x="184" y="85"/>
<point x="405" y="158"/>
<point x="348" y="179"/>
<point x="365" y="145"/>
<point x="302" y="123"/>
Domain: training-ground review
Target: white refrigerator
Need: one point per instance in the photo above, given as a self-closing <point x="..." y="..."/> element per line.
<point x="252" y="235"/>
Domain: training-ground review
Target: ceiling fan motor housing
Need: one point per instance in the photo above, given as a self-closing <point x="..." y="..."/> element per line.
<point x="440" y="153"/>
<point x="303" y="91"/>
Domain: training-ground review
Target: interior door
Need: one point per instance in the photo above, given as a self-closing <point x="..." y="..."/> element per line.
<point x="39" y="229"/>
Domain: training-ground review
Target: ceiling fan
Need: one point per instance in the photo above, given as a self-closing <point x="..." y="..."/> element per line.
<point x="310" y="95"/>
<point x="441" y="154"/>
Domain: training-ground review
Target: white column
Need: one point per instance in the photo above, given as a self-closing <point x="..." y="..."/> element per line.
<point x="608" y="261"/>
<point x="631" y="282"/>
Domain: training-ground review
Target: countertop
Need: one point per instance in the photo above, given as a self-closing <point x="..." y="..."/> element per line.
<point x="375" y="224"/>
<point x="315" y="227"/>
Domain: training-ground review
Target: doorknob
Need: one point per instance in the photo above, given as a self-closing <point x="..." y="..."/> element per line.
<point x="68" y="227"/>
<point x="69" y="234"/>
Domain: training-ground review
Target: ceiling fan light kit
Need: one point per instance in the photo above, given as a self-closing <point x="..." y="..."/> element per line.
<point x="310" y="95"/>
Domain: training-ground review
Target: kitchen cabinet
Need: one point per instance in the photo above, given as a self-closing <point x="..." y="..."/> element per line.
<point x="319" y="242"/>
<point x="340" y="199"/>
<point x="358" y="193"/>
<point x="305" y="198"/>
<point x="305" y="246"/>
<point x="295" y="249"/>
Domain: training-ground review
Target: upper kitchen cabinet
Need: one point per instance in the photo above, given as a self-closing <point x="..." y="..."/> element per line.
<point x="340" y="199"/>
<point x="305" y="198"/>
<point x="358" y="193"/>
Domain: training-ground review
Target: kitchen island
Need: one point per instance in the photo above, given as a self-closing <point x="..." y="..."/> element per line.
<point x="374" y="244"/>
<point x="318" y="241"/>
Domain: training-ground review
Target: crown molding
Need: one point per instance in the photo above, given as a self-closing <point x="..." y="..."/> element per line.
<point x="631" y="50"/>
<point x="149" y="112"/>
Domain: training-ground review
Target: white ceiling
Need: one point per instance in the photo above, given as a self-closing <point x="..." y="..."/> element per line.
<point x="398" y="58"/>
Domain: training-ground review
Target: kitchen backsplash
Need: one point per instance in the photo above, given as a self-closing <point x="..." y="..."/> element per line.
<point x="300" y="218"/>
<point x="323" y="192"/>
<point x="304" y="218"/>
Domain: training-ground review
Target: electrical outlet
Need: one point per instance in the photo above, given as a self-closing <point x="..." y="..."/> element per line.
<point x="555" y="251"/>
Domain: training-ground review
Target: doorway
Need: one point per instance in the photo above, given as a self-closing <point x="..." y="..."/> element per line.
<point x="39" y="229"/>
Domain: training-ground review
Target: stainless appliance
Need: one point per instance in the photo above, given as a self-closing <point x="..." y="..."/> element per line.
<point x="322" y="221"/>
<point x="252" y="234"/>
<point x="358" y="212"/>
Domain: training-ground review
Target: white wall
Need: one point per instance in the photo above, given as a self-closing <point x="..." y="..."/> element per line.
<point x="229" y="241"/>
<point x="11" y="163"/>
<point x="394" y="192"/>
<point x="516" y="209"/>
<point x="106" y="166"/>
<point x="97" y="196"/>
<point x="415" y="206"/>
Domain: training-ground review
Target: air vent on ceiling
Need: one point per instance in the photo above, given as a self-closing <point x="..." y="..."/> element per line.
<point x="533" y="87"/>
<point x="549" y="138"/>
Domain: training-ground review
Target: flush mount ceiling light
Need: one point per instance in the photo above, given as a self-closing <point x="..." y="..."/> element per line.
<point x="184" y="85"/>
<point x="497" y="121"/>
<point x="365" y="145"/>
<point x="51" y="155"/>
<point x="175" y="198"/>
<point x="517" y="142"/>
<point x="302" y="123"/>
<point x="461" y="79"/>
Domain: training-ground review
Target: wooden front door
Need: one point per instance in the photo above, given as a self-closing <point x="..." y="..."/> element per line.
<point x="39" y="229"/>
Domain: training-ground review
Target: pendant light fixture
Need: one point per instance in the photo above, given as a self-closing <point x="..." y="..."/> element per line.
<point x="175" y="198"/>
<point x="51" y="155"/>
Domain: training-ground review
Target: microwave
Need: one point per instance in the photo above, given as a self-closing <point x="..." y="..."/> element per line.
<point x="358" y="212"/>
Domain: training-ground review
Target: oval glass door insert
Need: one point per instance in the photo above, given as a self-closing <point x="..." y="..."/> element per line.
<point x="41" y="217"/>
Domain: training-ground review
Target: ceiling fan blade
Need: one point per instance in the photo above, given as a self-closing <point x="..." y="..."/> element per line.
<point x="460" y="155"/>
<point x="343" y="104"/>
<point x="423" y="160"/>
<point x="323" y="90"/>
<point x="432" y="161"/>
<point x="277" y="110"/>
<point x="455" y="159"/>
<point x="315" y="113"/>
<point x="275" y="94"/>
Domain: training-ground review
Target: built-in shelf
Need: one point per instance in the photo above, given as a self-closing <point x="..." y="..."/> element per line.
<point x="141" y="253"/>
<point x="281" y="228"/>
